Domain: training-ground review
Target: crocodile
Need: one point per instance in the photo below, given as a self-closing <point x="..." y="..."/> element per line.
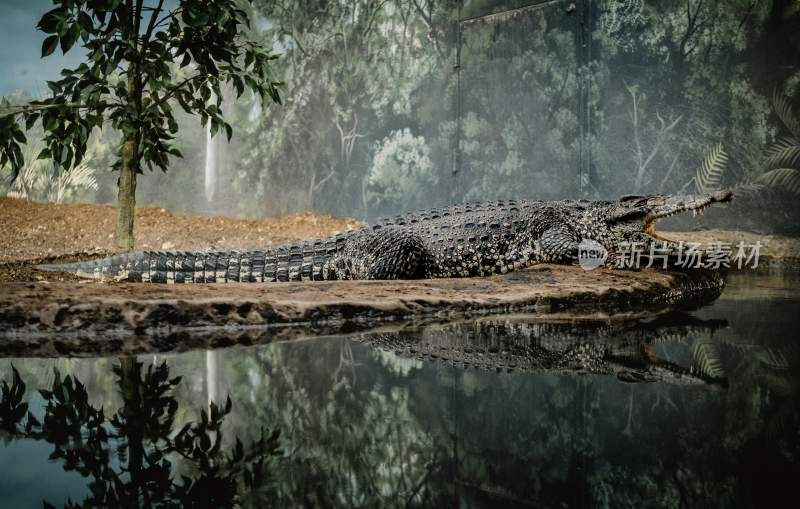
<point x="467" y="240"/>
<point x="661" y="349"/>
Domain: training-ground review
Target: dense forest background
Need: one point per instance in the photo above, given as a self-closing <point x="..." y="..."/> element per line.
<point x="405" y="104"/>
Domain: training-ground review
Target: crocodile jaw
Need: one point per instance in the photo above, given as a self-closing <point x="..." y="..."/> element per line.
<point x="679" y="205"/>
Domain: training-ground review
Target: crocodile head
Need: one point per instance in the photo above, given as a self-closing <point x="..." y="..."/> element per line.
<point x="633" y="219"/>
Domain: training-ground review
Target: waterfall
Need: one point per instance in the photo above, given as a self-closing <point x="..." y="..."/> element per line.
<point x="211" y="165"/>
<point x="212" y="367"/>
<point x="210" y="181"/>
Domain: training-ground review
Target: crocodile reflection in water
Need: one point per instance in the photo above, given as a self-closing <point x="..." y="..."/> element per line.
<point x="627" y="349"/>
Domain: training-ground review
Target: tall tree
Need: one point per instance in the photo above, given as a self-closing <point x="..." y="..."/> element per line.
<point x="141" y="59"/>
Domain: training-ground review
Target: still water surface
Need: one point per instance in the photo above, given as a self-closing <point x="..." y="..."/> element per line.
<point x="695" y="409"/>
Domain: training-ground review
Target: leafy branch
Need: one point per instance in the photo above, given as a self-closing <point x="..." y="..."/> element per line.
<point x="129" y="455"/>
<point x="134" y="73"/>
<point x="709" y="174"/>
<point x="782" y="157"/>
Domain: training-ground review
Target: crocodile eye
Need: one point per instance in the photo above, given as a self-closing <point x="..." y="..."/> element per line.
<point x="633" y="200"/>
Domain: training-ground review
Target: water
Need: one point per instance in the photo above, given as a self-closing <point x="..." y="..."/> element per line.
<point x="365" y="425"/>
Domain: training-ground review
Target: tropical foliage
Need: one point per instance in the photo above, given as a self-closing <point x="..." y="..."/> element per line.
<point x="142" y="59"/>
<point x="603" y="99"/>
<point x="783" y="157"/>
<point x="40" y="180"/>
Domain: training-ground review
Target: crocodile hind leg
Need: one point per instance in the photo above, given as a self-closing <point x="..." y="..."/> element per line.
<point x="404" y="258"/>
<point x="558" y="245"/>
<point x="385" y="253"/>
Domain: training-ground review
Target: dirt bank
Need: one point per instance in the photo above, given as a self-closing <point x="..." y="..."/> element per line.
<point x="31" y="312"/>
<point x="37" y="304"/>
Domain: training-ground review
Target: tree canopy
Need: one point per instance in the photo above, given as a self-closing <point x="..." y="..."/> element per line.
<point x="141" y="60"/>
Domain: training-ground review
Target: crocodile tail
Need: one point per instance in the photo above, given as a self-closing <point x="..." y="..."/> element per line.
<point x="305" y="261"/>
<point x="111" y="267"/>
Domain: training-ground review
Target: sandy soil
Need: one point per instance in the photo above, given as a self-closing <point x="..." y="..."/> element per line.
<point x="37" y="230"/>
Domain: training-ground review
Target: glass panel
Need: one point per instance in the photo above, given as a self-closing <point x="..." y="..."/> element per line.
<point x="518" y="96"/>
<point x="693" y="96"/>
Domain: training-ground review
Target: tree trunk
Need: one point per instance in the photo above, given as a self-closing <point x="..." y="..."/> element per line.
<point x="126" y="198"/>
<point x="130" y="388"/>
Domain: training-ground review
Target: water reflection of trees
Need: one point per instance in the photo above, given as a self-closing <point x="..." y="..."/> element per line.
<point x="348" y="432"/>
<point x="341" y="446"/>
<point x="136" y="457"/>
<point x="592" y="441"/>
<point x="366" y="427"/>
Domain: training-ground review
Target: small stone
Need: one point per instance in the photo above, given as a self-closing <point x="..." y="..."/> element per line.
<point x="167" y="245"/>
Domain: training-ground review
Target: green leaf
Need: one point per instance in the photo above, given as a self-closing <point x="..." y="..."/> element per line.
<point x="709" y="174"/>
<point x="69" y="38"/>
<point x="18" y="135"/>
<point x="51" y="123"/>
<point x="786" y="178"/>
<point x="784" y="153"/>
<point x="44" y="154"/>
<point x="85" y="22"/>
<point x="49" y="21"/>
<point x="49" y="45"/>
<point x="31" y="120"/>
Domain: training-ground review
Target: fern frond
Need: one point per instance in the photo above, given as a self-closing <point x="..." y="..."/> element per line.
<point x="787" y="178"/>
<point x="784" y="152"/>
<point x="783" y="109"/>
<point x="775" y="359"/>
<point x="709" y="174"/>
<point x="81" y="176"/>
<point x="705" y="361"/>
<point x="39" y="180"/>
<point x="749" y="189"/>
